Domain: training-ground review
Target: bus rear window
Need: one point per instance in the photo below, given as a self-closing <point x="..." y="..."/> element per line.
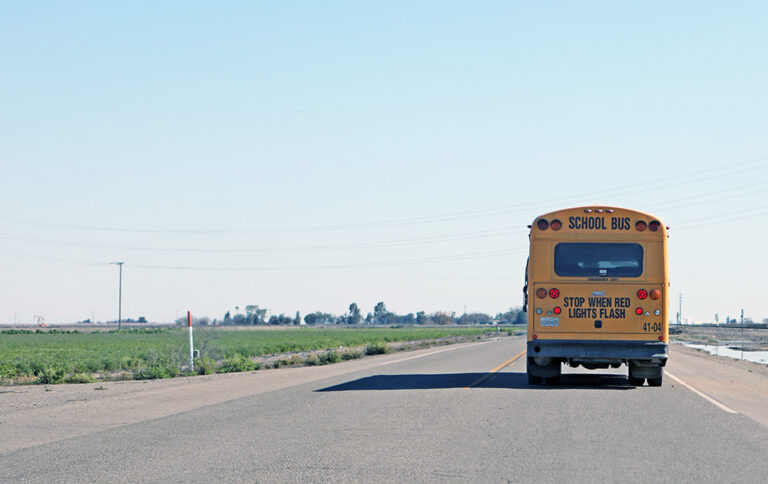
<point x="582" y="259"/>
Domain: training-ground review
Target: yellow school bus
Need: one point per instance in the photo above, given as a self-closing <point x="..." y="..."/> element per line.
<point x="596" y="292"/>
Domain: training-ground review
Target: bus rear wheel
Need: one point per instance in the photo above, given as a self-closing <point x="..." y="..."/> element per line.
<point x="541" y="369"/>
<point x="636" y="382"/>
<point x="656" y="382"/>
<point x="553" y="380"/>
<point x="534" y="380"/>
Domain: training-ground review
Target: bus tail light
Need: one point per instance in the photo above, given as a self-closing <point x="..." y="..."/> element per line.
<point x="639" y="311"/>
<point x="535" y="336"/>
<point x="655" y="294"/>
<point x="541" y="293"/>
<point x="557" y="310"/>
<point x="661" y="337"/>
<point x="642" y="294"/>
<point x="542" y="224"/>
<point x="654" y="226"/>
<point x="556" y="225"/>
<point x="641" y="226"/>
<point x="554" y="293"/>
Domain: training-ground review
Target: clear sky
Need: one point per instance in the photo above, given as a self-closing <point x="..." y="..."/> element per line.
<point x="306" y="155"/>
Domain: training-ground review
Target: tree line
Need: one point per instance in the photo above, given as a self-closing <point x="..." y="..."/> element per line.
<point x="254" y="315"/>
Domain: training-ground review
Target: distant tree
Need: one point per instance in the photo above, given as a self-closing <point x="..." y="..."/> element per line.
<point x="227" y="318"/>
<point x="368" y="318"/>
<point x="521" y="318"/>
<point x="354" y="314"/>
<point x="297" y="319"/>
<point x="421" y="318"/>
<point x="255" y="314"/>
<point x="320" y="318"/>
<point x="380" y="313"/>
<point x="141" y="319"/>
<point x="441" y="317"/>
<point x="474" y="318"/>
<point x="407" y="319"/>
<point x="240" y="319"/>
<point x="201" y="321"/>
<point x="513" y="316"/>
<point x="282" y="319"/>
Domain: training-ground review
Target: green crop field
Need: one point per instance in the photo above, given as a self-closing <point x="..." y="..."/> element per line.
<point x="53" y="356"/>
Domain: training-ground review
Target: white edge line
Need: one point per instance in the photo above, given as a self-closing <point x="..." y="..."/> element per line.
<point x="702" y="395"/>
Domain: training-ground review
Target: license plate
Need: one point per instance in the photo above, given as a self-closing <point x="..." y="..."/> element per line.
<point x="546" y="321"/>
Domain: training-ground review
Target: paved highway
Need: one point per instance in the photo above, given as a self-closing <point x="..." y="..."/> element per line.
<point x="453" y="413"/>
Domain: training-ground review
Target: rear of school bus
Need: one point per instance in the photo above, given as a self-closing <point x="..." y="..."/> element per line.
<point x="596" y="293"/>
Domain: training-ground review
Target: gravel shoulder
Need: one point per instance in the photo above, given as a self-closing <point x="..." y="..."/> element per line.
<point x="738" y="384"/>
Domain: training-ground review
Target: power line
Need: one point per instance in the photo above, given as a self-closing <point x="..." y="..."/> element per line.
<point x="364" y="265"/>
<point x="687" y="179"/>
<point x="683" y="225"/>
<point x="330" y="247"/>
<point x="426" y="260"/>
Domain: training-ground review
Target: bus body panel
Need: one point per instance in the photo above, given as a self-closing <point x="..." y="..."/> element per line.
<point x="599" y="308"/>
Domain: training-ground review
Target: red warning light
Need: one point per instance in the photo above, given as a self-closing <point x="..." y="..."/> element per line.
<point x="641" y="226"/>
<point x="639" y="311"/>
<point x="542" y="224"/>
<point x="642" y="294"/>
<point x="554" y="293"/>
<point x="557" y="310"/>
<point x="556" y="225"/>
<point x="654" y="226"/>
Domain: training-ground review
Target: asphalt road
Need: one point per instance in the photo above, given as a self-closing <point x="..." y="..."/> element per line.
<point x="443" y="414"/>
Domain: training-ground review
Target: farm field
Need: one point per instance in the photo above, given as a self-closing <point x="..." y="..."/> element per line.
<point x="80" y="356"/>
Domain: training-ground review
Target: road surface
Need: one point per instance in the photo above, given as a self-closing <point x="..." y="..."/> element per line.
<point x="461" y="413"/>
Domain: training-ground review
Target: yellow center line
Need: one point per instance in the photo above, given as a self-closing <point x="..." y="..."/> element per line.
<point x="500" y="367"/>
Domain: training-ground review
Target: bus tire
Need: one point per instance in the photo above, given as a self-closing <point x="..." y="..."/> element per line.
<point x="655" y="382"/>
<point x="636" y="382"/>
<point x="534" y="380"/>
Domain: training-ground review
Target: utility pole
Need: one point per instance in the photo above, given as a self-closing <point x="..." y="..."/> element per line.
<point x="120" y="296"/>
<point x="680" y="314"/>
<point x="742" y="333"/>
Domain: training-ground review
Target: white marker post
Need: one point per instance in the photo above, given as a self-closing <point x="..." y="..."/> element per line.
<point x="191" y="351"/>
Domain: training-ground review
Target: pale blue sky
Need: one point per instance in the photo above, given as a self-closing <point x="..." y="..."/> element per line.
<point x="301" y="126"/>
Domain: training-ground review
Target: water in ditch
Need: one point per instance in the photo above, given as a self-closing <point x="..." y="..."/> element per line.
<point x="733" y="352"/>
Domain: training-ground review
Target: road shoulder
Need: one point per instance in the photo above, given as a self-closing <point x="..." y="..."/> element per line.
<point x="33" y="415"/>
<point x="740" y="385"/>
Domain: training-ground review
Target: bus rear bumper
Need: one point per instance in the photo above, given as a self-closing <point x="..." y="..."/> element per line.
<point x="648" y="352"/>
